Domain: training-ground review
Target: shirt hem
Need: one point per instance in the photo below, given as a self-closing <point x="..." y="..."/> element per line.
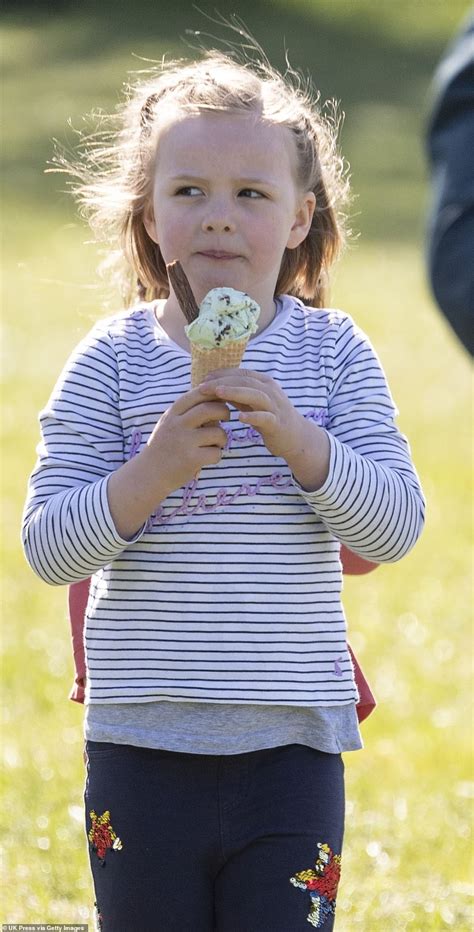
<point x="192" y="747"/>
<point x="304" y="703"/>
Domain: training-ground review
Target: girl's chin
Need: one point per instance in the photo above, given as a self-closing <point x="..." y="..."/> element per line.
<point x="223" y="279"/>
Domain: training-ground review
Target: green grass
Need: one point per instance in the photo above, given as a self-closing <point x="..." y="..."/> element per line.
<point x="407" y="858"/>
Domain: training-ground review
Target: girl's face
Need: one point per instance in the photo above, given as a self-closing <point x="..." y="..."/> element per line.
<point x="226" y="202"/>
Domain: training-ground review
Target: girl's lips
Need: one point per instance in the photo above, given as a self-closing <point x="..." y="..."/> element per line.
<point x="217" y="254"/>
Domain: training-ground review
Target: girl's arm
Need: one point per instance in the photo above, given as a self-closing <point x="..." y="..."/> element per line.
<point x="183" y="441"/>
<point x="372" y="499"/>
<point x="85" y="503"/>
<point x="68" y="530"/>
<point x="357" y="474"/>
<point x="78" y="595"/>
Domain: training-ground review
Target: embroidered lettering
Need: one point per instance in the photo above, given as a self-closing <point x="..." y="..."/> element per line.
<point x="223" y="499"/>
<point x="251" y="434"/>
<point x="241" y="435"/>
<point x="319" y="416"/>
<point x="192" y="503"/>
<point x="135" y="443"/>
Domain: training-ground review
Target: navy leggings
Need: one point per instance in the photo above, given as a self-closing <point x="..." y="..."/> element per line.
<point x="202" y="843"/>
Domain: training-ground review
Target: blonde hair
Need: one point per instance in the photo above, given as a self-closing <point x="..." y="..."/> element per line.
<point x="113" y="177"/>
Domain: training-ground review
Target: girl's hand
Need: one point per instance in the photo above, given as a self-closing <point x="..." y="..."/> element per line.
<point x="188" y="437"/>
<point x="262" y="404"/>
<point x="285" y="432"/>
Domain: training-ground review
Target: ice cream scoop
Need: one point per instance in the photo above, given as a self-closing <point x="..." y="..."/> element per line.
<point x="219" y="335"/>
<point x="225" y="316"/>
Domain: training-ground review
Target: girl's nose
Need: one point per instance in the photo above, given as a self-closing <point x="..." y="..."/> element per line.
<point x="218" y="220"/>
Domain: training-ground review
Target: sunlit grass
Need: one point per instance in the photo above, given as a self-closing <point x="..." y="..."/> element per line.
<point x="407" y="858"/>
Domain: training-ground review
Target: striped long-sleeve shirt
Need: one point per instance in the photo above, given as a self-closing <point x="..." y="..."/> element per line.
<point x="231" y="592"/>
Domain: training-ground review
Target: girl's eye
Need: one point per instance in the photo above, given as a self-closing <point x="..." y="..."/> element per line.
<point x="250" y="192"/>
<point x="189" y="191"/>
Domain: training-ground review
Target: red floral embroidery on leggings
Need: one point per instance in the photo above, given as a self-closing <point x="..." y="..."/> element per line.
<point x="102" y="836"/>
<point x="321" y="882"/>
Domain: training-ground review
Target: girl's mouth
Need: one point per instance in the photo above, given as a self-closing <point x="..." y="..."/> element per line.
<point x="218" y="254"/>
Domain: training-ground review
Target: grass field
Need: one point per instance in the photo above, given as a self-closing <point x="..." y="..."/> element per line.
<point x="407" y="862"/>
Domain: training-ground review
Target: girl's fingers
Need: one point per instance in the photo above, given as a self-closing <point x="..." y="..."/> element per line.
<point x="236" y="378"/>
<point x="223" y="374"/>
<point x="206" y="411"/>
<point x="209" y="456"/>
<point x="189" y="400"/>
<point x="262" y="420"/>
<point x="252" y="398"/>
<point x="213" y="436"/>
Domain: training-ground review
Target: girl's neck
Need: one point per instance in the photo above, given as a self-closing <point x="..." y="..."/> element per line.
<point x="173" y="323"/>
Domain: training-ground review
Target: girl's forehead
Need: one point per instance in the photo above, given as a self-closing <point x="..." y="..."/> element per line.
<point x="211" y="131"/>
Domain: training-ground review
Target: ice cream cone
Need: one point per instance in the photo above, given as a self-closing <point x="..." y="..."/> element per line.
<point x="205" y="360"/>
<point x="218" y="330"/>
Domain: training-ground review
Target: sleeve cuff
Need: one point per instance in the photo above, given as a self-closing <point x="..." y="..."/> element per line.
<point x="328" y="490"/>
<point x="114" y="538"/>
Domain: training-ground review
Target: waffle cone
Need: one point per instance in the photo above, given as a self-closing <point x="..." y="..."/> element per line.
<point x="222" y="357"/>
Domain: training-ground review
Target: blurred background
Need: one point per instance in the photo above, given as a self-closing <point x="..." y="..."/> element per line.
<point x="407" y="858"/>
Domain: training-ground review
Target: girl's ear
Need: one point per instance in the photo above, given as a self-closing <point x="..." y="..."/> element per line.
<point x="149" y="222"/>
<point x="302" y="222"/>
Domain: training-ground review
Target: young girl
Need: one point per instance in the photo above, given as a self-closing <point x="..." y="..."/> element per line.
<point x="220" y="690"/>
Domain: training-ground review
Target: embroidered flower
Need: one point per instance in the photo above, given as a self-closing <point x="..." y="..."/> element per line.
<point x="102" y="835"/>
<point x="321" y="882"/>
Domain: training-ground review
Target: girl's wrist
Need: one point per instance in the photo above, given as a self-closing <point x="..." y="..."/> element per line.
<point x="155" y="474"/>
<point x="134" y="491"/>
<point x="309" y="458"/>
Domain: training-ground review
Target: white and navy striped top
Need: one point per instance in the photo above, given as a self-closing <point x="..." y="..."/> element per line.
<point x="231" y="593"/>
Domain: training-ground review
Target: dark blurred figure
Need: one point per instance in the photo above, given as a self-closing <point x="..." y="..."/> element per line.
<point x="451" y="154"/>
